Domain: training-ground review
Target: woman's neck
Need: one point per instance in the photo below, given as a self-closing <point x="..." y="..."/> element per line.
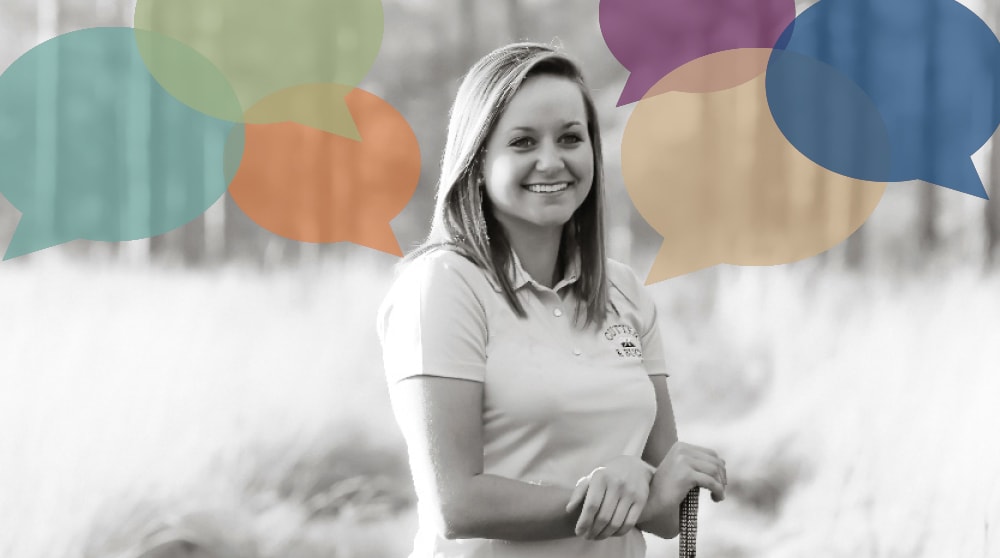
<point x="538" y="250"/>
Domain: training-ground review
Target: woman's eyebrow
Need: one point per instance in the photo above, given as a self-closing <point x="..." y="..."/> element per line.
<point x="530" y="129"/>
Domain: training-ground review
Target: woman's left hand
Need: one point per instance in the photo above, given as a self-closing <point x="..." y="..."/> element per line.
<point x="613" y="496"/>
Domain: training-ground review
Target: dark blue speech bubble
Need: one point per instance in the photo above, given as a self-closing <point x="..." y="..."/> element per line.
<point x="827" y="117"/>
<point x="91" y="146"/>
<point x="930" y="70"/>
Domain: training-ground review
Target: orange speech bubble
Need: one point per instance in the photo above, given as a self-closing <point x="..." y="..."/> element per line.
<point x="313" y="186"/>
<point x="713" y="174"/>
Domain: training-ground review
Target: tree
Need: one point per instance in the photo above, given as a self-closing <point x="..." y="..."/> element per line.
<point x="468" y="24"/>
<point x="515" y="21"/>
<point x="991" y="210"/>
<point x="46" y="176"/>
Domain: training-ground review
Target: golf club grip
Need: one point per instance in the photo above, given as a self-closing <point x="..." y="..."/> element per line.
<point x="689" y="524"/>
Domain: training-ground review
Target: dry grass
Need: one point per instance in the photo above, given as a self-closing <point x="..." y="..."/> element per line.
<point x="248" y="411"/>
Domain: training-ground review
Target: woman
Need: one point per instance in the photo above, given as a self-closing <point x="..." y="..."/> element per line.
<point x="525" y="369"/>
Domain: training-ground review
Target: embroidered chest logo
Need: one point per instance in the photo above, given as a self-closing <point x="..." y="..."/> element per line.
<point x="625" y="339"/>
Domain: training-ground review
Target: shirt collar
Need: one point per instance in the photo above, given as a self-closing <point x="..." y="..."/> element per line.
<point x="519" y="277"/>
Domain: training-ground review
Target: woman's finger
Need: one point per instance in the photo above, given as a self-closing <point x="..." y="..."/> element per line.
<point x="705" y="451"/>
<point x="612" y="499"/>
<point x="618" y="520"/>
<point x="630" y="520"/>
<point x="711" y="483"/>
<point x="698" y="452"/>
<point x="578" y="493"/>
<point x="713" y="467"/>
<point x="591" y="505"/>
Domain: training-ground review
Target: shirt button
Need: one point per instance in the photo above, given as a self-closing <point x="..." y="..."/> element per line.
<point x="577" y="351"/>
<point x="557" y="312"/>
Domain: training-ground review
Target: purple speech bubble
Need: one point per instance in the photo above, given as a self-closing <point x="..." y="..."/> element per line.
<point x="653" y="37"/>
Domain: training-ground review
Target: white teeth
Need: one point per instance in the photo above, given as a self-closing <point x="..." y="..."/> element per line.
<point x="547" y="188"/>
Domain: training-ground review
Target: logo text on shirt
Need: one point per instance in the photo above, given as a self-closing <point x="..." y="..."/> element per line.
<point x="625" y="339"/>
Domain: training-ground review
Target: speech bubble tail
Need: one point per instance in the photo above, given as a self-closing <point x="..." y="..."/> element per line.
<point x="27" y="239"/>
<point x="342" y="119"/>
<point x="344" y="127"/>
<point x="320" y="106"/>
<point x="670" y="263"/>
<point x="961" y="176"/>
<point x="347" y="128"/>
<point x="383" y="240"/>
<point x="632" y="92"/>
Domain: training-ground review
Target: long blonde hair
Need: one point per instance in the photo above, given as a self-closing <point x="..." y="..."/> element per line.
<point x="463" y="220"/>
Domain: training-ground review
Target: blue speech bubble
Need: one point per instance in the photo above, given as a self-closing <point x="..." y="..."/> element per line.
<point x="930" y="68"/>
<point x="827" y="117"/>
<point x="92" y="147"/>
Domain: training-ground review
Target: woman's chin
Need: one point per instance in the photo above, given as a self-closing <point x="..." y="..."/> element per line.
<point x="539" y="219"/>
<point x="551" y="221"/>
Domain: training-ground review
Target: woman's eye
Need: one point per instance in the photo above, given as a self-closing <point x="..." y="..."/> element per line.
<point x="572" y="138"/>
<point x="522" y="142"/>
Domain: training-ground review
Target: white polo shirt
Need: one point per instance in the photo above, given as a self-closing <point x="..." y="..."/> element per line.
<point x="558" y="400"/>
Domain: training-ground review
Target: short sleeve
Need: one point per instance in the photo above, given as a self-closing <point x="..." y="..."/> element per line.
<point x="623" y="278"/>
<point x="432" y="323"/>
<point x="652" y="342"/>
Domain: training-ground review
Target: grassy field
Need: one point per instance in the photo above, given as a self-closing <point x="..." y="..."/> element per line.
<point x="247" y="411"/>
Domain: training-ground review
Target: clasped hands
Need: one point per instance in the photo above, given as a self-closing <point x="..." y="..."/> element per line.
<point x="626" y="491"/>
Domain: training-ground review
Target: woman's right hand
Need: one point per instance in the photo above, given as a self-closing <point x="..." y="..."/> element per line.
<point x="612" y="497"/>
<point x="684" y="467"/>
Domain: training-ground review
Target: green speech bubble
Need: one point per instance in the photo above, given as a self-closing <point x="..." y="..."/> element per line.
<point x="265" y="46"/>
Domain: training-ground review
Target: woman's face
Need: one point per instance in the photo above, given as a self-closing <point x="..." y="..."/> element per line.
<point x="539" y="163"/>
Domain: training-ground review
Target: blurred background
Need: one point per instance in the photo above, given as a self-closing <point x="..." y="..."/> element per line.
<point x="218" y="391"/>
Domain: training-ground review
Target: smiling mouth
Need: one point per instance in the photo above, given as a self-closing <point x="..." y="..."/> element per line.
<point x="547" y="188"/>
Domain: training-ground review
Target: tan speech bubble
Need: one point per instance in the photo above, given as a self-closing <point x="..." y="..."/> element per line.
<point x="712" y="173"/>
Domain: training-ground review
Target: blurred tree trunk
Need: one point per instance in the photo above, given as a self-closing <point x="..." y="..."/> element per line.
<point x="242" y="238"/>
<point x="109" y="250"/>
<point x="194" y="236"/>
<point x="159" y="245"/>
<point x="468" y="13"/>
<point x="236" y="229"/>
<point x="991" y="209"/>
<point x="825" y="44"/>
<point x="854" y="247"/>
<point x="47" y="117"/>
<point x="193" y="241"/>
<point x="515" y="22"/>
<point x="214" y="230"/>
<point x="854" y="250"/>
<point x="927" y="209"/>
<point x="139" y="150"/>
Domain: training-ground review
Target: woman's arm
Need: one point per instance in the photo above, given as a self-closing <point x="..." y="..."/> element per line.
<point x="442" y="422"/>
<point x="658" y="517"/>
<point x="433" y="328"/>
<point x="680" y="467"/>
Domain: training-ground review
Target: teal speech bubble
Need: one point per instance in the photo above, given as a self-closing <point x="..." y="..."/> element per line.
<point x="92" y="147"/>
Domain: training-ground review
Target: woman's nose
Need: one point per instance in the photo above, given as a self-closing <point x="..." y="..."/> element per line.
<point x="549" y="158"/>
